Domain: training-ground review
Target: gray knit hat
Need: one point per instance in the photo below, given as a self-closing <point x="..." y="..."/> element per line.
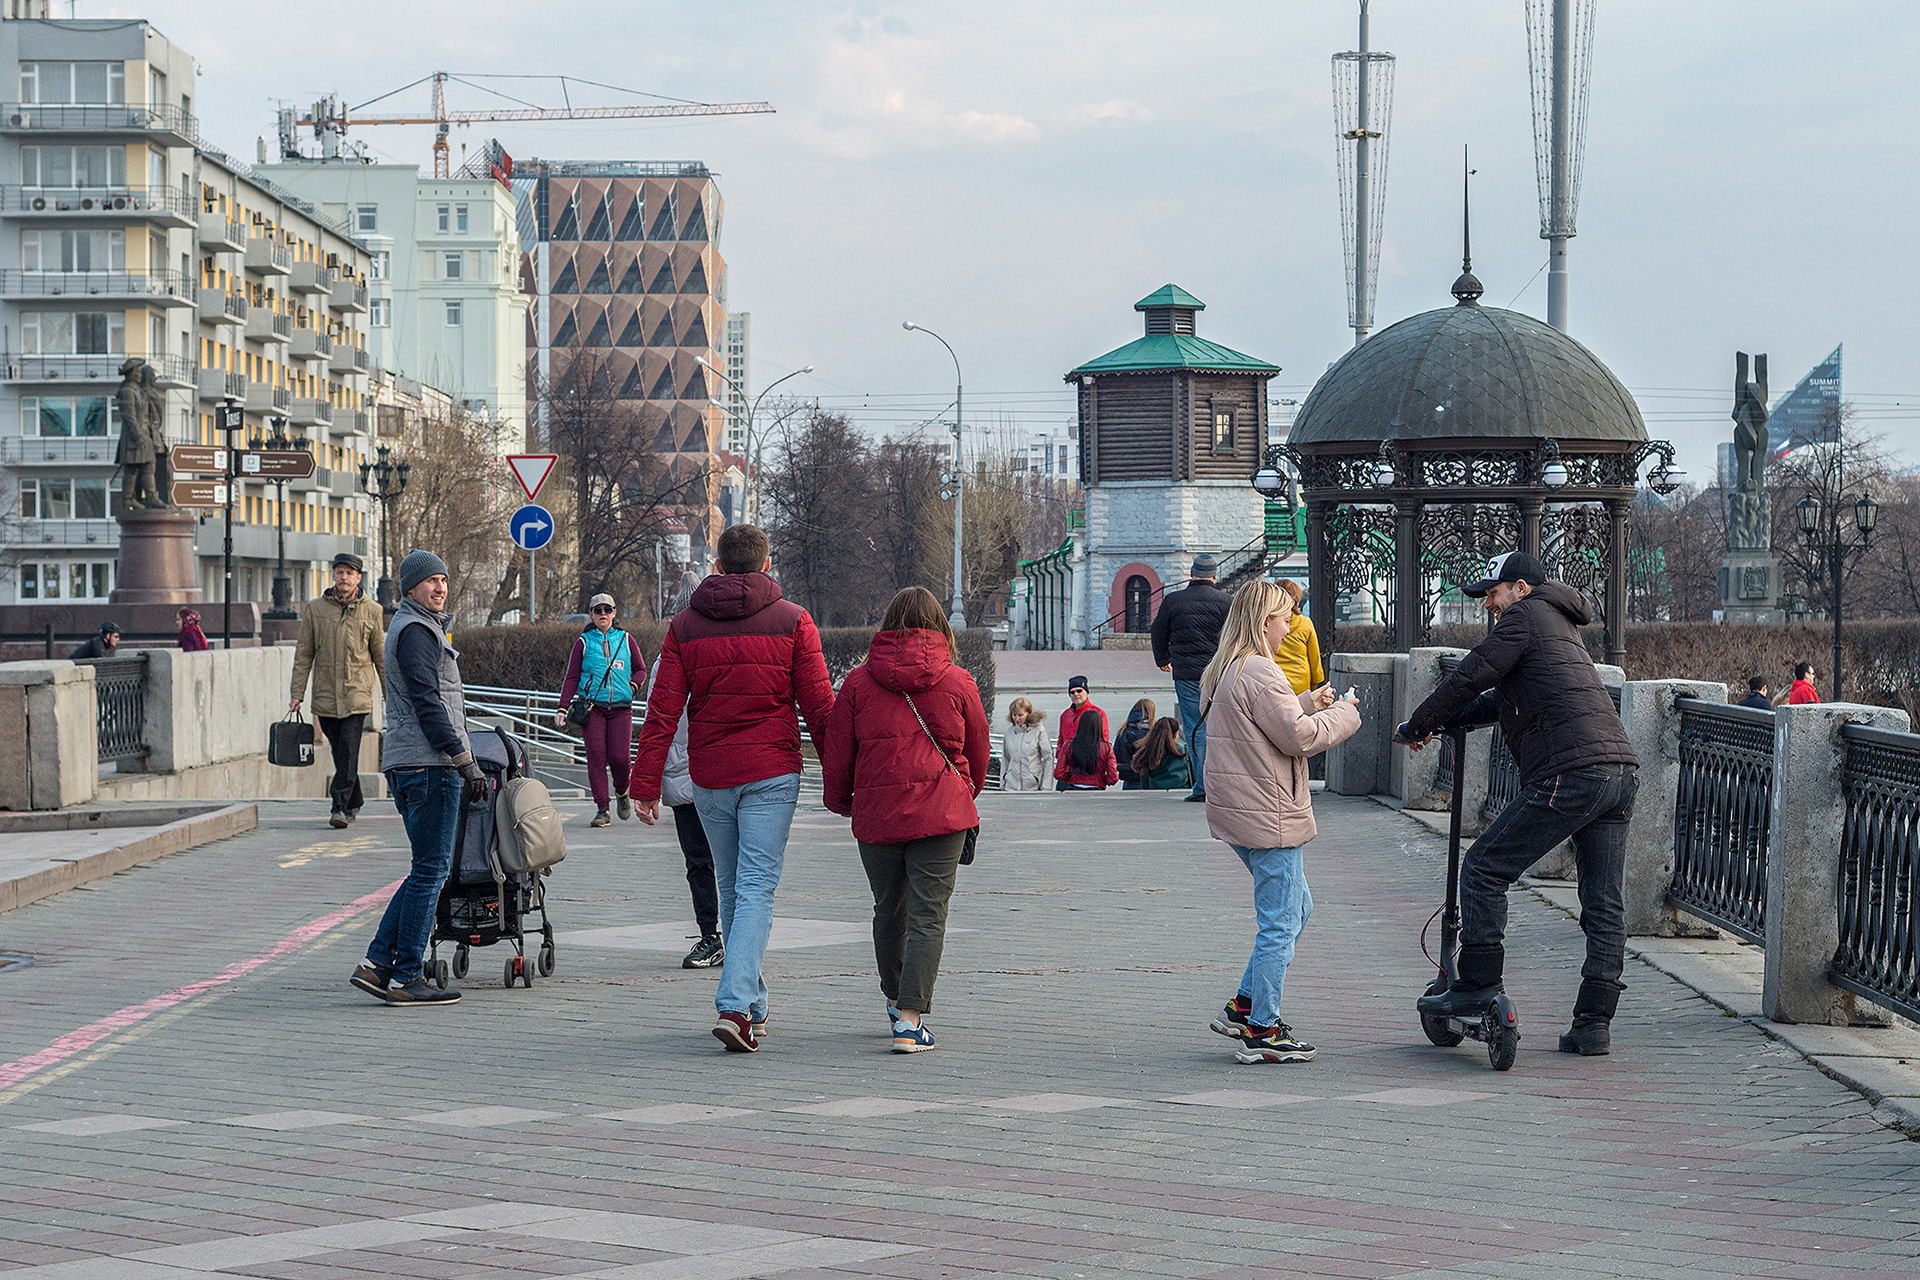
<point x="417" y="568"/>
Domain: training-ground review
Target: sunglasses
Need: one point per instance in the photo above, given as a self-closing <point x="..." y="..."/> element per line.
<point x="603" y="608"/>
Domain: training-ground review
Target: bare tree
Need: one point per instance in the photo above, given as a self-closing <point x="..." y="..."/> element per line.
<point x="821" y="507"/>
<point x="1835" y="475"/>
<point x="455" y="503"/>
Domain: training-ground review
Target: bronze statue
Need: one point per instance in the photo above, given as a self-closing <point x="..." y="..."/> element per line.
<point x="135" y="454"/>
<point x="156" y="406"/>
<point x="1750" y="440"/>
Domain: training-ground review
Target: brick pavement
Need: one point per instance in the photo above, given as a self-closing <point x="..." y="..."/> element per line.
<point x="1078" y="1120"/>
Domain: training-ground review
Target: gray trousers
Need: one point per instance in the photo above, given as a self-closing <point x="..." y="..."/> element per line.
<point x="912" y="884"/>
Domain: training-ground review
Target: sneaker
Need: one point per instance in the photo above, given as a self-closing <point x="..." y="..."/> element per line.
<point x="601" y="819"/>
<point x="760" y="1029"/>
<point x="1273" y="1044"/>
<point x="1232" y="1021"/>
<point x="372" y="979"/>
<point x="624" y="803"/>
<point x="1198" y="797"/>
<point x="736" y="1032"/>
<point x="419" y="991"/>
<point x="707" y="953"/>
<point x="353" y="816"/>
<point x="337" y="819"/>
<point x="911" y="1039"/>
<point x="893" y="1014"/>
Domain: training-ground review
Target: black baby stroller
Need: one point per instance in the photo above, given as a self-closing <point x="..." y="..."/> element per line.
<point x="482" y="903"/>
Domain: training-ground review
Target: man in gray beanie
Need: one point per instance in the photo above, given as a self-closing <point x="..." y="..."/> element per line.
<point x="1186" y="631"/>
<point x="431" y="772"/>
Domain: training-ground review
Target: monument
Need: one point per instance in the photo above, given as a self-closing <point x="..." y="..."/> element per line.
<point x="1749" y="578"/>
<point x="157" y="561"/>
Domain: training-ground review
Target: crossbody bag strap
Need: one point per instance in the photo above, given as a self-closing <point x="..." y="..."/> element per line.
<point x="944" y="758"/>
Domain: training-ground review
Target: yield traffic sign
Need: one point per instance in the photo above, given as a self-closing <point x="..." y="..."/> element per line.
<point x="532" y="527"/>
<point x="532" y="470"/>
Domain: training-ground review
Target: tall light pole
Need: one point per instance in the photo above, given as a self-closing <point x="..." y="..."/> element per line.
<point x="753" y="411"/>
<point x="957" y="617"/>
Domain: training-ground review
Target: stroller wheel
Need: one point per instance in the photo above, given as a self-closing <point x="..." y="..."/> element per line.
<point x="546" y="959"/>
<point x="513" y="963"/>
<point x="440" y="974"/>
<point x="460" y="962"/>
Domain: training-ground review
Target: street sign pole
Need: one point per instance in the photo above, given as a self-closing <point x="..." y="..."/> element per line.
<point x="229" y="416"/>
<point x="533" y="589"/>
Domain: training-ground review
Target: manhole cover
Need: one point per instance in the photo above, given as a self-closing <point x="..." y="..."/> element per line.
<point x="14" y="962"/>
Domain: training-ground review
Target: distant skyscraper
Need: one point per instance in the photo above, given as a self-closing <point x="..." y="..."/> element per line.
<point x="1810" y="413"/>
<point x="739" y="384"/>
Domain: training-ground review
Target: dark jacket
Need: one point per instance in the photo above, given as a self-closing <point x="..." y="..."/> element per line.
<point x="94" y="648"/>
<point x="1128" y="741"/>
<point x="1534" y="675"/>
<point x="1186" y="631"/>
<point x="736" y="660"/>
<point x="1174" y="773"/>
<point x="880" y="768"/>
<point x="1758" y="701"/>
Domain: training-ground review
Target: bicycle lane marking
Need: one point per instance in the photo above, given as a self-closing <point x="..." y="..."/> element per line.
<point x="82" y="1038"/>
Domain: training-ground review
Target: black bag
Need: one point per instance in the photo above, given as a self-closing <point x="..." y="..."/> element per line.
<point x="290" y="742"/>
<point x="973" y="832"/>
<point x="579" y="711"/>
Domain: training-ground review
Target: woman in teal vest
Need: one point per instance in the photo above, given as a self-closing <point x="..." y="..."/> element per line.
<point x="603" y="668"/>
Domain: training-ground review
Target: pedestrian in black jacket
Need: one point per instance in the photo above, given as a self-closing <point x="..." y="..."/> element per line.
<point x="1578" y="778"/>
<point x="1186" y="631"/>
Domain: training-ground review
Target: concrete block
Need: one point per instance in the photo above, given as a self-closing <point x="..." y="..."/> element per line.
<point x="63" y="730"/>
<point x="217" y="705"/>
<point x="1803" y="863"/>
<point x="1416" y="774"/>
<point x="1653" y="726"/>
<point x="1362" y="764"/>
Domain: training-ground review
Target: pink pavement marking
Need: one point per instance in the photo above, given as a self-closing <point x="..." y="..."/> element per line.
<point x="86" y="1037"/>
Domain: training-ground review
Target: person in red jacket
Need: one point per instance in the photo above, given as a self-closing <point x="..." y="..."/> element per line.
<point x="1087" y="762"/>
<point x="905" y="755"/>
<point x="736" y="660"/>
<point x="1802" y="689"/>
<point x="1080" y="702"/>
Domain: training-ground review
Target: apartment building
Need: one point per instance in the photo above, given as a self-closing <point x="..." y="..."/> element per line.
<point x="738" y="384"/>
<point x="121" y="237"/>
<point x="446" y="307"/>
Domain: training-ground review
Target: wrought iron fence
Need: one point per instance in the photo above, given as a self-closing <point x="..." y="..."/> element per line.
<point x="1049" y="597"/>
<point x="1720" y="820"/>
<point x="1879" y="952"/>
<point x="120" y="688"/>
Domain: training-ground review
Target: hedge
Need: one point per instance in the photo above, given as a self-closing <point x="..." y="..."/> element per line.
<point x="535" y="657"/>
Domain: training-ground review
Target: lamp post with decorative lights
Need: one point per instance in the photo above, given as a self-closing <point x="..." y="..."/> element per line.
<point x="383" y="481"/>
<point x="1836" y="548"/>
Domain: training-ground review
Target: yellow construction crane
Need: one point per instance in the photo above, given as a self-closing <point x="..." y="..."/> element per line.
<point x="329" y="119"/>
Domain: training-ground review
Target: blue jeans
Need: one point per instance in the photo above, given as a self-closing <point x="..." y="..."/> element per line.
<point x="1188" y="691"/>
<point x="747" y="829"/>
<point x="429" y="804"/>
<point x="1281" y="905"/>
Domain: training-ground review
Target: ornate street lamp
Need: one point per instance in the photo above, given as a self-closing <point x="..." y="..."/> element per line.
<point x="1837" y="548"/>
<point x="383" y="481"/>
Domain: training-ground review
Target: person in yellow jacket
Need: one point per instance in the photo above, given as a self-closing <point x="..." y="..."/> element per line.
<point x="1299" y="654"/>
<point x="342" y="638"/>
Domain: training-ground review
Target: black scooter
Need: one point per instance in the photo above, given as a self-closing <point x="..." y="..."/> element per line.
<point x="1499" y="1027"/>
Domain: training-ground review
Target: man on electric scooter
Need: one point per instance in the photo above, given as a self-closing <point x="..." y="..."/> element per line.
<point x="1578" y="779"/>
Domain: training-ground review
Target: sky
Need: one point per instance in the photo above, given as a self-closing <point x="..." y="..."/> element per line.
<point x="1015" y="176"/>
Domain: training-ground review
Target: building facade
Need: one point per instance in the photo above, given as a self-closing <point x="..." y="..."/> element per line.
<point x="120" y="238"/>
<point x="738" y="386"/>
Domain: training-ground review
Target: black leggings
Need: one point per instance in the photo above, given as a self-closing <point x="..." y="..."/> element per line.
<point x="693" y="846"/>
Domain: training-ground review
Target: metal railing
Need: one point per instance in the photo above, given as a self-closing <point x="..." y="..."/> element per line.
<point x="120" y="687"/>
<point x="101" y="367"/>
<point x="1721" y="816"/>
<point x="68" y="117"/>
<point x="1234" y="567"/>
<point x="1879" y="952"/>
<point x="1049" y="597"/>
<point x="553" y="754"/>
<point x="115" y="199"/>
<point x="80" y="285"/>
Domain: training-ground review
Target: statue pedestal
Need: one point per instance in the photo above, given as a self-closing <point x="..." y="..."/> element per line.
<point x="157" y="560"/>
<point x="1749" y="582"/>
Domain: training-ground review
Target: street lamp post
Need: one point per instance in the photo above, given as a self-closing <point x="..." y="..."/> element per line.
<point x="1828" y="539"/>
<point x="957" y="618"/>
<point x="753" y="411"/>
<point x="382" y="481"/>
<point x="282" y="585"/>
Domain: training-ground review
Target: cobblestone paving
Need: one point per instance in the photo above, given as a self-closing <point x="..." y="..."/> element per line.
<point x="1077" y="1120"/>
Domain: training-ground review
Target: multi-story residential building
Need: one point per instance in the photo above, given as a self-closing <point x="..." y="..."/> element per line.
<point x="120" y="237"/>
<point x="446" y="307"/>
<point x="625" y="267"/>
<point x="738" y="385"/>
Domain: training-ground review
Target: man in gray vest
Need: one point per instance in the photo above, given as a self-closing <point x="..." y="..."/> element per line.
<point x="430" y="769"/>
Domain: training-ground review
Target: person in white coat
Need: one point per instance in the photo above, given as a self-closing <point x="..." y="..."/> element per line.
<point x="1026" y="758"/>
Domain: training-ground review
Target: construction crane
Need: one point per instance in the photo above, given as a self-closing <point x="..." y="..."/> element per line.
<point x="329" y="119"/>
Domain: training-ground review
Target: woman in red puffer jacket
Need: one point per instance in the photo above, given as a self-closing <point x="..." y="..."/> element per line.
<point x="908" y="781"/>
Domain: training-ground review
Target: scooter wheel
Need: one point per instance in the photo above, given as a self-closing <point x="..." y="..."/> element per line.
<point x="1502" y="1047"/>
<point x="460" y="962"/>
<point x="1439" y="1032"/>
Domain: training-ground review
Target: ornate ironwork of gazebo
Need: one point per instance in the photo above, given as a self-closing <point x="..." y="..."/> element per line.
<point x="1457" y="434"/>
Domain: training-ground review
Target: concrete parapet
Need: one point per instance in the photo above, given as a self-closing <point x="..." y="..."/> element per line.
<point x="49" y="754"/>
<point x="1803" y="863"/>
<point x="1363" y="764"/>
<point x="1653" y="726"/>
<point x="203" y="708"/>
<point x="1416" y="774"/>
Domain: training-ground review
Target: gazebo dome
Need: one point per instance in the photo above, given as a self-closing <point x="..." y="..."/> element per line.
<point x="1467" y="372"/>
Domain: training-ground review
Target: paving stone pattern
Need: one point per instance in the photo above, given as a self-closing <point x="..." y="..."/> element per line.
<point x="1077" y="1120"/>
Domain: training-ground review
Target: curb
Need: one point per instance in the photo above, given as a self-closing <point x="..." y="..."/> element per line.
<point x="173" y="837"/>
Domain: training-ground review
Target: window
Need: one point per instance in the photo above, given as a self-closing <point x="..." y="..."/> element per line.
<point x="45" y="499"/>
<point x="76" y="580"/>
<point x="381" y="267"/>
<point x="445" y="210"/>
<point x="453" y="315"/>
<point x="83" y="82"/>
<point x="377" y="313"/>
<point x="69" y="167"/>
<point x="73" y="332"/>
<point x="460" y="218"/>
<point x="1138" y="605"/>
<point x="73" y="251"/>
<point x="1223" y="431"/>
<point x="59" y="417"/>
<point x="455" y="266"/>
<point x="366" y="217"/>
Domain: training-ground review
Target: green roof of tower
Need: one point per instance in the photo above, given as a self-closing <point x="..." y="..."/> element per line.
<point x="1169" y="295"/>
<point x="1174" y="351"/>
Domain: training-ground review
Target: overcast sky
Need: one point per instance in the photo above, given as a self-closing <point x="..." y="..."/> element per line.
<point x="1016" y="175"/>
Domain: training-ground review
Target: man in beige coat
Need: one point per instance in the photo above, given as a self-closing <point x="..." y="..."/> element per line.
<point x="342" y="637"/>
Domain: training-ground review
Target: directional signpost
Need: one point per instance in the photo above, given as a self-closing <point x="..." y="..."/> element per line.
<point x="200" y="459"/>
<point x="199" y="493"/>
<point x="531" y="525"/>
<point x="276" y="464"/>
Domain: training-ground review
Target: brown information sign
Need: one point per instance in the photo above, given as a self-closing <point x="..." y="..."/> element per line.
<point x="199" y="493"/>
<point x="200" y="459"/>
<point x="277" y="464"/>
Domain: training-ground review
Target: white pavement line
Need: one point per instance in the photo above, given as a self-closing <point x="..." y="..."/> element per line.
<point x="1416" y="1097"/>
<point x="1239" y="1099"/>
<point x="103" y="1269"/>
<point x="94" y="1126"/>
<point x="665" y="1235"/>
<point x="822" y="1251"/>
<point x="864" y="1108"/>
<point x="285" y="1246"/>
<point x="284" y="1120"/>
<point x="484" y="1117"/>
<point x="498" y="1216"/>
<point x="673" y="1113"/>
<point x="1050" y="1103"/>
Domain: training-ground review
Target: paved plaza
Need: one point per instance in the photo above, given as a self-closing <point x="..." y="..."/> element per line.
<point x="193" y="1089"/>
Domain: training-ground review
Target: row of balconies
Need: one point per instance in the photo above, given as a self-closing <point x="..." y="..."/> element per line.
<point x="149" y="288"/>
<point x="164" y="206"/>
<point x="167" y="125"/>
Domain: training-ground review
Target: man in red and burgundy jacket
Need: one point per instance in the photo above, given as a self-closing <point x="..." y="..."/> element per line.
<point x="736" y="660"/>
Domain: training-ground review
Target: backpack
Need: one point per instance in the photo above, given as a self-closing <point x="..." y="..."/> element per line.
<point x="528" y="827"/>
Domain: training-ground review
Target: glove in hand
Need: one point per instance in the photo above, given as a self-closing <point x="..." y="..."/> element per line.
<point x="476" y="789"/>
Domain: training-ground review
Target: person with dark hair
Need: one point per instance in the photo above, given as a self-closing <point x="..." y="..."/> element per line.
<point x="1086" y="763"/>
<point x="1161" y="762"/>
<point x="1758" y="695"/>
<point x="1079" y="703"/>
<point x="603" y="667"/>
<point x="736" y="661"/>
<point x="905" y="756"/>
<point x="100" y="645"/>
<point x="1132" y="734"/>
<point x="1186" y="631"/>
<point x="1802" y="689"/>
<point x="341" y="647"/>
